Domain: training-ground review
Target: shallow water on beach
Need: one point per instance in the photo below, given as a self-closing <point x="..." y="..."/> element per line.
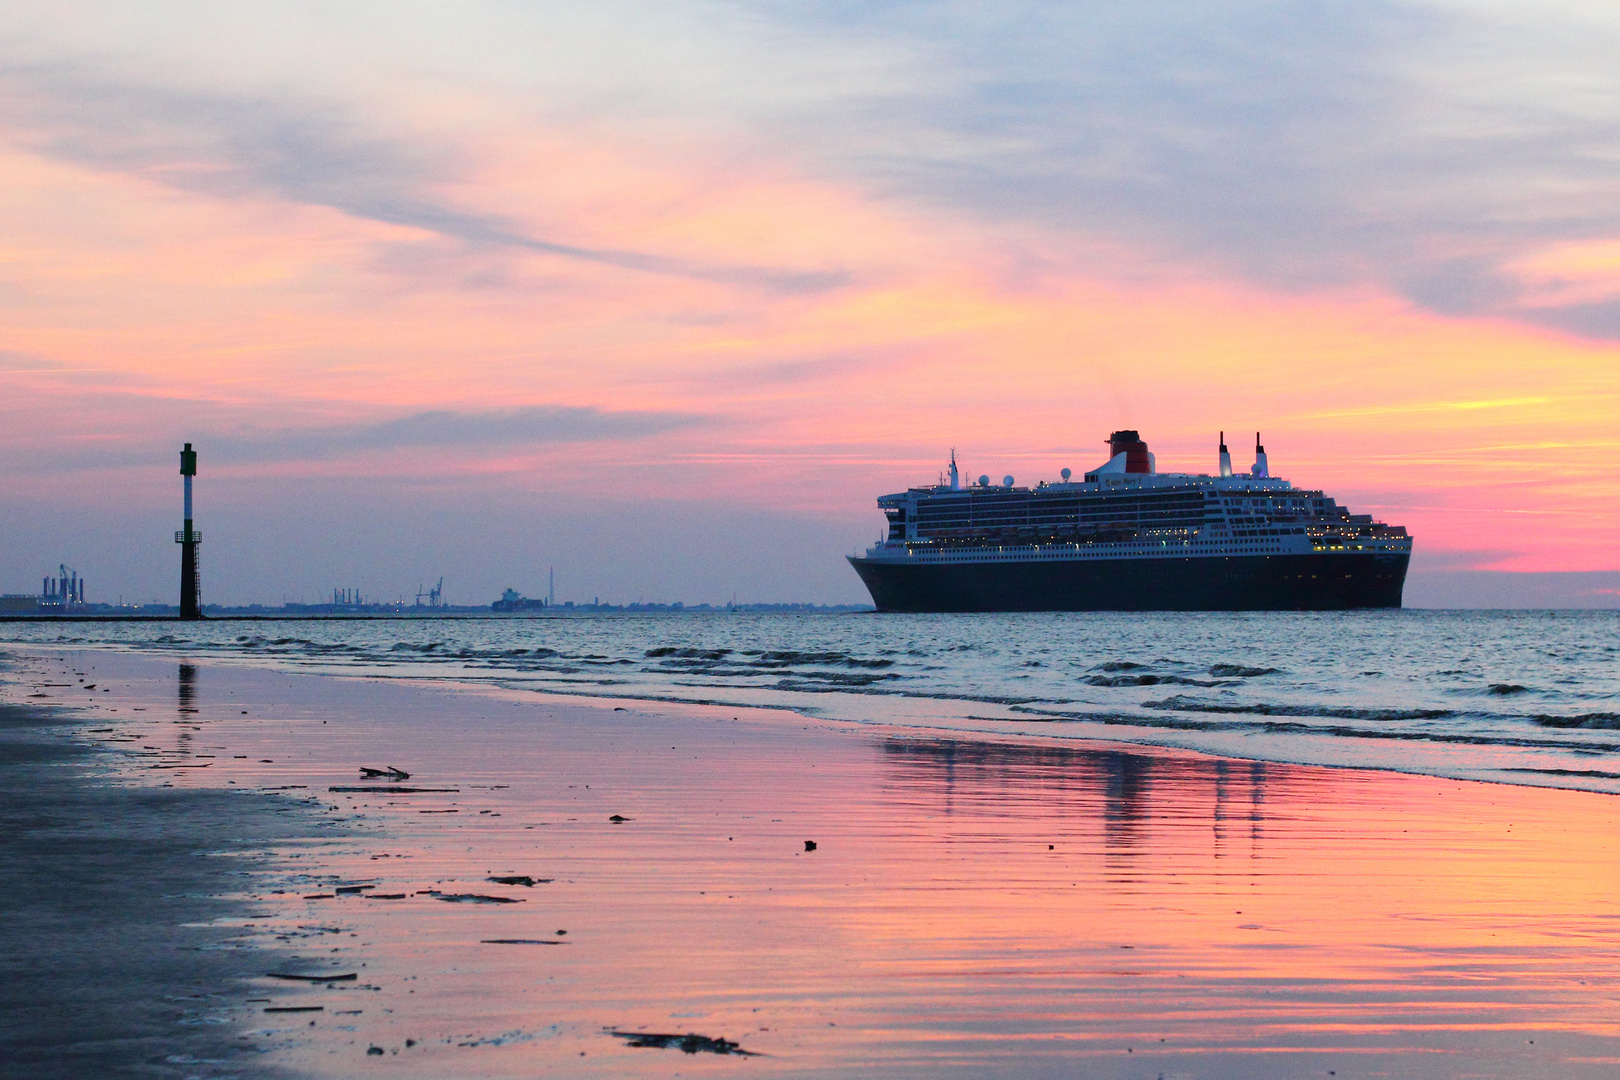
<point x="975" y="906"/>
<point x="1518" y="697"/>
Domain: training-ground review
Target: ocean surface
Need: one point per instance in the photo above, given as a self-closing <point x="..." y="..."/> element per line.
<point x="1517" y="697"/>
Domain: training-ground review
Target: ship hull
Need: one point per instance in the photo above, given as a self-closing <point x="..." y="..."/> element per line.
<point x="1235" y="583"/>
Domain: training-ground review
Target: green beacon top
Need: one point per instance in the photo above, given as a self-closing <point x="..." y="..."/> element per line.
<point x="188" y="461"/>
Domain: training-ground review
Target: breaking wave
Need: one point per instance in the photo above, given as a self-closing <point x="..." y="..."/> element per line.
<point x="1239" y="671"/>
<point x="1602" y="721"/>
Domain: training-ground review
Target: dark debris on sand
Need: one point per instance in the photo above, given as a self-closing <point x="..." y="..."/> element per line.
<point x="689" y="1043"/>
<point x="472" y="898"/>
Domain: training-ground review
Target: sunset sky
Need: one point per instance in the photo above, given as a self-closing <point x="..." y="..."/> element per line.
<point x="665" y="295"/>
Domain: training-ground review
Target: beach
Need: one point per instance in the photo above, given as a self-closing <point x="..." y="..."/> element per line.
<point x="126" y="911"/>
<point x="559" y="874"/>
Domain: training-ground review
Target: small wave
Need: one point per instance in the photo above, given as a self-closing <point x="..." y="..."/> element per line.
<point x="713" y="670"/>
<point x="1147" y="680"/>
<point x="682" y="665"/>
<point x="843" y="678"/>
<point x="688" y="654"/>
<point x="1180" y="703"/>
<point x="1595" y="720"/>
<point x="783" y="657"/>
<point x="1239" y="671"/>
<point x="1594" y="773"/>
<point x="988" y="699"/>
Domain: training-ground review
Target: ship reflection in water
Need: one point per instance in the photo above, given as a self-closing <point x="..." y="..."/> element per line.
<point x="1233" y="918"/>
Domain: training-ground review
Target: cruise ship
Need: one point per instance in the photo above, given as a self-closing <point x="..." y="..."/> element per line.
<point x="1129" y="538"/>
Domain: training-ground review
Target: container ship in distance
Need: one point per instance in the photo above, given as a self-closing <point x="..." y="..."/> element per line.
<point x="1129" y="538"/>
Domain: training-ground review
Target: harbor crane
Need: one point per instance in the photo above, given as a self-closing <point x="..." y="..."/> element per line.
<point x="434" y="595"/>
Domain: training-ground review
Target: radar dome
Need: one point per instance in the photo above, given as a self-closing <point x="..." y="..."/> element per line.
<point x="984" y="481"/>
<point x="1006" y="481"/>
<point x="1066" y="474"/>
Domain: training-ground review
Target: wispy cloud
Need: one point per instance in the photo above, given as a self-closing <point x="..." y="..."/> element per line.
<point x="1411" y="144"/>
<point x="27" y="363"/>
<point x="477" y="432"/>
<point x="310" y="149"/>
<point x="443" y="428"/>
<point x="1423" y="146"/>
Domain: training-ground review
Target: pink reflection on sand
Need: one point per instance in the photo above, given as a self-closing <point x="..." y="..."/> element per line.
<point x="972" y="906"/>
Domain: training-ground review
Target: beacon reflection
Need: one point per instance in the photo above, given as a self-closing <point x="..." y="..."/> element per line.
<point x="188" y="689"/>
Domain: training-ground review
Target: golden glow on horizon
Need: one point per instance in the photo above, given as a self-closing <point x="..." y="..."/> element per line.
<point x="1437" y="406"/>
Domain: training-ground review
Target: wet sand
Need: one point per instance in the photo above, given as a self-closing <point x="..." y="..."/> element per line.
<point x="124" y="924"/>
<point x="973" y="907"/>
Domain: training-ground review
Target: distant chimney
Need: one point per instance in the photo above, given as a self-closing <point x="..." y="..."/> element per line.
<point x="1261" y="470"/>
<point x="1129" y="443"/>
<point x="1226" y="457"/>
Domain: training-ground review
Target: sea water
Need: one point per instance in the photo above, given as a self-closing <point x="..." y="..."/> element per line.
<point x="1521" y="697"/>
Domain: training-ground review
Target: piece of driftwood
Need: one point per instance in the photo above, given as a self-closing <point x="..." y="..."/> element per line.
<point x="349" y="977"/>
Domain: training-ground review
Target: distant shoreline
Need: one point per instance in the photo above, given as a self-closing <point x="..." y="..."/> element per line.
<point x="466" y="614"/>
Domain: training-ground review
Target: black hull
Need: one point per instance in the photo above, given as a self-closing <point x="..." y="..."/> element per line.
<point x="1239" y="583"/>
